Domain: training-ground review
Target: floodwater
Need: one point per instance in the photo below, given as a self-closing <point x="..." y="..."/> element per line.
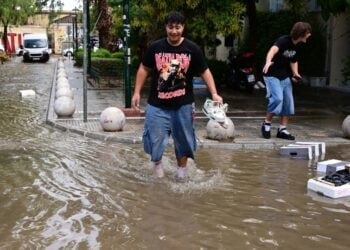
<point x="62" y="191"/>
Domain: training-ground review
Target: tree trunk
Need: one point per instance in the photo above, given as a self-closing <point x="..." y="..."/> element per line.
<point x="104" y="23"/>
<point x="251" y="12"/>
<point x="5" y="40"/>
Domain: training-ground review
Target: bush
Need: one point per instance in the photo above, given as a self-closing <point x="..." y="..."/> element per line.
<point x="118" y="54"/>
<point x="101" y="53"/>
<point x="219" y="70"/>
<point x="108" y="66"/>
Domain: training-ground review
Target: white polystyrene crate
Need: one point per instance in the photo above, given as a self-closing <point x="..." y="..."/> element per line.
<point x="27" y="93"/>
<point x="314" y="148"/>
<point x="322" y="165"/>
<point x="329" y="190"/>
<point x="321" y="146"/>
<point x="297" y="151"/>
<point x="334" y="167"/>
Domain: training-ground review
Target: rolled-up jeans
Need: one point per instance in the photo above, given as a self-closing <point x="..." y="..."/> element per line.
<point x="161" y="123"/>
<point x="280" y="96"/>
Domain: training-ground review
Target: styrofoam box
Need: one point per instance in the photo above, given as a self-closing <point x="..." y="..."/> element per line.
<point x="297" y="151"/>
<point x="27" y="93"/>
<point x="321" y="147"/>
<point x="328" y="189"/>
<point x="322" y="165"/>
<point x="334" y="167"/>
<point x="314" y="148"/>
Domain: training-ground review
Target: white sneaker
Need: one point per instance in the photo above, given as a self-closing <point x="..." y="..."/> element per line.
<point x="159" y="171"/>
<point x="215" y="110"/>
<point x="181" y="172"/>
<point x="260" y="84"/>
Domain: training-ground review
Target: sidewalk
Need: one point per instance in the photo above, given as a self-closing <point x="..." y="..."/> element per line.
<point x="320" y="113"/>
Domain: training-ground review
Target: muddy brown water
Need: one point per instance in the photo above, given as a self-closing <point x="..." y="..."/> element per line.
<point x="62" y="191"/>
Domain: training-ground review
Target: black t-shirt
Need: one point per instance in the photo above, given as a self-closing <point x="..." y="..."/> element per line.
<point x="173" y="68"/>
<point x="287" y="53"/>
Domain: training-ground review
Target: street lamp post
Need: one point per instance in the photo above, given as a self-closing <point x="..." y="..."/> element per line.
<point x="75" y="34"/>
<point x="127" y="53"/>
<point x="85" y="55"/>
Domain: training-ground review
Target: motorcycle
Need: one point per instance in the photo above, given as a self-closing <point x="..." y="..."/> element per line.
<point x="241" y="75"/>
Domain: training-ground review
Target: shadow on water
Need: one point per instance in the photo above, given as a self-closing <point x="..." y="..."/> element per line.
<point x="60" y="190"/>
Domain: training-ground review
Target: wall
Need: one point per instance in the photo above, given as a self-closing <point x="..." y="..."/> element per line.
<point x="340" y="47"/>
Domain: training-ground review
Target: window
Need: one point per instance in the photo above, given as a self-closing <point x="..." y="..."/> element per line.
<point x="276" y="5"/>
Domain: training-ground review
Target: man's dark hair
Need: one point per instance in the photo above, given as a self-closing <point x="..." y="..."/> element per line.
<point x="175" y="17"/>
<point x="300" y="29"/>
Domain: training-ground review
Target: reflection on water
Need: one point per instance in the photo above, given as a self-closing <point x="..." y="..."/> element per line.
<point x="59" y="190"/>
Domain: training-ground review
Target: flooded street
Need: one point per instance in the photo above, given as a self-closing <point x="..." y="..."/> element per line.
<point x="61" y="190"/>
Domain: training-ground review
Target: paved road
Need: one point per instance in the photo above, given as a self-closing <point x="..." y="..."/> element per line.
<point x="320" y="113"/>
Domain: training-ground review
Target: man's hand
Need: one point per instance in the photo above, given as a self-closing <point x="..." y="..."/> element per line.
<point x="266" y="67"/>
<point x="135" y="101"/>
<point x="297" y="78"/>
<point x="217" y="98"/>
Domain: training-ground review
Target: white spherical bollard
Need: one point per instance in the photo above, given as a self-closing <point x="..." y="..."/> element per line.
<point x="62" y="74"/>
<point x="112" y="119"/>
<point x="64" y="91"/>
<point x="217" y="131"/>
<point x="60" y="70"/>
<point x="64" y="106"/>
<point x="62" y="83"/>
<point x="60" y="64"/>
<point x="346" y="127"/>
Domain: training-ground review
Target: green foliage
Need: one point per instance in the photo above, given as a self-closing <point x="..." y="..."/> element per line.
<point x="108" y="66"/>
<point x="205" y="19"/>
<point x="16" y="12"/>
<point x="296" y="6"/>
<point x="118" y="54"/>
<point x="101" y="53"/>
<point x="79" y="58"/>
<point x="334" y="7"/>
<point x="219" y="70"/>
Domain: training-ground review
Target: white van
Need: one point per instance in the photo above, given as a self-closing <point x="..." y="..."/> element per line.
<point x="35" y="48"/>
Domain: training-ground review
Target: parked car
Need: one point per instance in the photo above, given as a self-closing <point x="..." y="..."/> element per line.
<point x="68" y="52"/>
<point x="36" y="47"/>
<point x="2" y="48"/>
<point x="19" y="51"/>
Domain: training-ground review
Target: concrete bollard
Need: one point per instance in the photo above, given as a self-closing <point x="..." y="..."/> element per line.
<point x="64" y="91"/>
<point x="217" y="131"/>
<point x="64" y="106"/>
<point x="112" y="119"/>
<point x="346" y="127"/>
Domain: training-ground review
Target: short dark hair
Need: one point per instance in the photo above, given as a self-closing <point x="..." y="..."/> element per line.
<point x="300" y="29"/>
<point x="175" y="17"/>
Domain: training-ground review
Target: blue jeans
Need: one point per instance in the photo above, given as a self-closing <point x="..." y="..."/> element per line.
<point x="160" y="123"/>
<point x="280" y="96"/>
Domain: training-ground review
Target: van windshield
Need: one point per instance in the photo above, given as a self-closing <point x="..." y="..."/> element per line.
<point x="35" y="43"/>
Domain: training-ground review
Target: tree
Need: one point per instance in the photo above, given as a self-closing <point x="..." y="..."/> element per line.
<point x="54" y="6"/>
<point x="15" y="12"/>
<point x="101" y="19"/>
<point x="205" y="19"/>
<point x="334" y="7"/>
